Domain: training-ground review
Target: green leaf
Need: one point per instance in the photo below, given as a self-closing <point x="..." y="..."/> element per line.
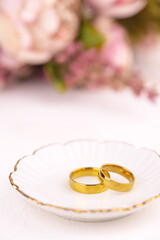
<point x="90" y="36"/>
<point x="54" y="73"/>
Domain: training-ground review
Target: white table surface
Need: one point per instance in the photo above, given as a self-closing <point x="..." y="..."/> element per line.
<point x="31" y="115"/>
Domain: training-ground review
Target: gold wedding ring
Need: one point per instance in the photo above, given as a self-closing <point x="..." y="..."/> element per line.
<point x="116" y="186"/>
<point x="87" y="188"/>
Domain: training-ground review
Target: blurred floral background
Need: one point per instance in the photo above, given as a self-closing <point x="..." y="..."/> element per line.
<point x="82" y="44"/>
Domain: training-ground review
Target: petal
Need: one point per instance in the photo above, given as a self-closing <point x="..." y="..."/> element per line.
<point x="9" y="36"/>
<point x="125" y="10"/>
<point x="49" y="21"/>
<point x="30" y="11"/>
<point x="34" y="57"/>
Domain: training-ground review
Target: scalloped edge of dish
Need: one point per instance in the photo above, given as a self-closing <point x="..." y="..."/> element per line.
<point x="74" y="209"/>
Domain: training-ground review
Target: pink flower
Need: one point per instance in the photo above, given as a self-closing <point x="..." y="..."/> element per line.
<point x="110" y="65"/>
<point x="96" y="67"/>
<point x="117" y="49"/>
<point x="33" y="31"/>
<point x="117" y="8"/>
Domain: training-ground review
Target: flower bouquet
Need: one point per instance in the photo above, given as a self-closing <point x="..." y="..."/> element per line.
<point x="77" y="44"/>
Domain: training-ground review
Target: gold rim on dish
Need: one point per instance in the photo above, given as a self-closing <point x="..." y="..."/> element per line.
<point x="74" y="209"/>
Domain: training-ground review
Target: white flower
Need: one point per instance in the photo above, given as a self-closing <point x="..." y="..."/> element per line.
<point x="33" y="31"/>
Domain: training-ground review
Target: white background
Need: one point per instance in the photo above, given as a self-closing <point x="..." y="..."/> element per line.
<point x="31" y="115"/>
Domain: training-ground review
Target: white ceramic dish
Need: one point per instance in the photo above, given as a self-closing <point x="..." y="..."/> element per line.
<point x="42" y="178"/>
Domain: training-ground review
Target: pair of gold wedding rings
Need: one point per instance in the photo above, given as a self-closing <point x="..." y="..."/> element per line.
<point x="104" y="177"/>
